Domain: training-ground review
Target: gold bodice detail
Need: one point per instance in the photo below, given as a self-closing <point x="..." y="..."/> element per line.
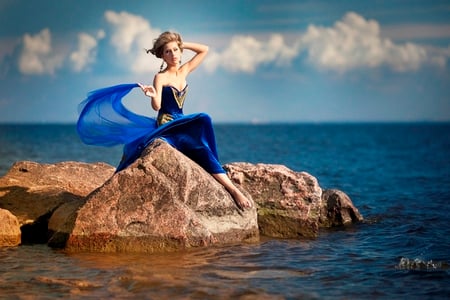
<point x="179" y="96"/>
<point x="164" y="118"/>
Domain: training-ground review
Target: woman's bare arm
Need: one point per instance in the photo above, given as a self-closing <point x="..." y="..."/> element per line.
<point x="200" y="50"/>
<point x="156" y="99"/>
<point x="154" y="91"/>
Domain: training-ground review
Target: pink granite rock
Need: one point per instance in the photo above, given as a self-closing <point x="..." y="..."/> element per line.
<point x="161" y="202"/>
<point x="31" y="190"/>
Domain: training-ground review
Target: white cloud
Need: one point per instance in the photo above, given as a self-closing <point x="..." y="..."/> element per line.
<point x="37" y="56"/>
<point x="131" y="35"/>
<point x="351" y="43"/>
<point x="246" y="53"/>
<point x="86" y="53"/>
<point x="100" y="34"/>
<point x="355" y="42"/>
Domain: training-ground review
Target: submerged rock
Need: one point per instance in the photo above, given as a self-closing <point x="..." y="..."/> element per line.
<point x="163" y="201"/>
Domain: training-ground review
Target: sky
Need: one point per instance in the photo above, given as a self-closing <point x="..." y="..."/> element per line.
<point x="268" y="61"/>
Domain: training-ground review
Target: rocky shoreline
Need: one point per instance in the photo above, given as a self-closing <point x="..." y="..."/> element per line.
<point x="162" y="202"/>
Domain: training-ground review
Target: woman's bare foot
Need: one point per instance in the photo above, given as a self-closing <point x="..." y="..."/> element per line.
<point x="241" y="201"/>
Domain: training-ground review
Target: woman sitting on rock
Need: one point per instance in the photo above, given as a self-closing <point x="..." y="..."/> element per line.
<point x="104" y="120"/>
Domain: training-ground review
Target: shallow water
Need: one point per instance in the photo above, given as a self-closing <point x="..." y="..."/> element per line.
<point x="398" y="175"/>
<point x="272" y="269"/>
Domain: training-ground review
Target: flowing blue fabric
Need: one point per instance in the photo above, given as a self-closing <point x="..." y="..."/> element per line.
<point x="105" y="121"/>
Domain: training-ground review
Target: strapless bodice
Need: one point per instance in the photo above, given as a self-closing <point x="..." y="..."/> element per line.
<point x="172" y="101"/>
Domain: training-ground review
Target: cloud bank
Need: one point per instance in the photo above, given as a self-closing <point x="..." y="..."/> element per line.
<point x="355" y="42"/>
<point x="38" y="55"/>
<point x="351" y="43"/>
<point x="246" y="53"/>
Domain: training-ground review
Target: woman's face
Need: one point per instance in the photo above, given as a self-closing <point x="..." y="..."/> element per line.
<point x="172" y="53"/>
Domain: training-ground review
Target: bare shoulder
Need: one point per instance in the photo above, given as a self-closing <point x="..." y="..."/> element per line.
<point x="160" y="77"/>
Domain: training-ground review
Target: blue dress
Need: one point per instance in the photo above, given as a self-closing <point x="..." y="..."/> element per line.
<point x="105" y="121"/>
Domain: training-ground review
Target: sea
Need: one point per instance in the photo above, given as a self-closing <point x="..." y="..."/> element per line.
<point x="397" y="175"/>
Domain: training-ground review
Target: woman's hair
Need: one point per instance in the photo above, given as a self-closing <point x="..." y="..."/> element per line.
<point x="162" y="40"/>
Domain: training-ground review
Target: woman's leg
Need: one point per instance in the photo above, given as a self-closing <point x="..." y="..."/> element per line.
<point x="240" y="199"/>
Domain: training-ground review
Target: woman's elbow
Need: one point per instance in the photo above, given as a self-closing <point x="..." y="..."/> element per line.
<point x="156" y="105"/>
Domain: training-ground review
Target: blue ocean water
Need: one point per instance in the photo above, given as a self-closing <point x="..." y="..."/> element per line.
<point x="398" y="175"/>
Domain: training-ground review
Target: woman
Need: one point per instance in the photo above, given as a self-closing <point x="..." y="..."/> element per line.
<point x="191" y="134"/>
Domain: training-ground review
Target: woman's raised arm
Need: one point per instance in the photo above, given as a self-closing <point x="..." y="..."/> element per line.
<point x="200" y="50"/>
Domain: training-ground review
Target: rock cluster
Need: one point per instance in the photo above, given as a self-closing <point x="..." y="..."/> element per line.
<point x="162" y="202"/>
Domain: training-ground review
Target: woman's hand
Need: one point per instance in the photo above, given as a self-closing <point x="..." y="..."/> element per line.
<point x="148" y="90"/>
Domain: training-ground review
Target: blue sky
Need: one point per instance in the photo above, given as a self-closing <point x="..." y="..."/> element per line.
<point x="269" y="61"/>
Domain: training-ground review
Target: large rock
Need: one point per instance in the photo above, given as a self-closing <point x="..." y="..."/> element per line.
<point x="161" y="202"/>
<point x="288" y="202"/>
<point x="9" y="229"/>
<point x="31" y="190"/>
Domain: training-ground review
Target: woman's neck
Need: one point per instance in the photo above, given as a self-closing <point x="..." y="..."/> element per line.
<point x="173" y="70"/>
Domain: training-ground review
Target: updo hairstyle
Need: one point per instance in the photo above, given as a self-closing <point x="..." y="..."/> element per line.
<point x="162" y="40"/>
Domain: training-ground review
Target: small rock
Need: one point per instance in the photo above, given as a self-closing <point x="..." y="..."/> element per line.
<point x="10" y="234"/>
<point x="338" y="209"/>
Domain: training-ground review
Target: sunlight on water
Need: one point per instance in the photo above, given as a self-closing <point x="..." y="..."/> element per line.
<point x="227" y="272"/>
<point x="418" y="264"/>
